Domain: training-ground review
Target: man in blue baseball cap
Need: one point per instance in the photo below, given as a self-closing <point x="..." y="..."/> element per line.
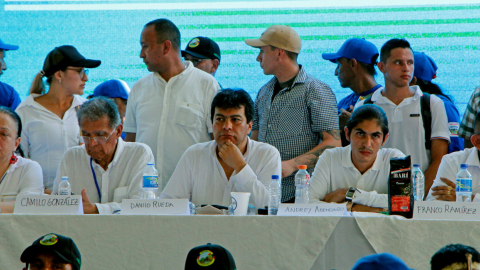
<point x="382" y="261"/>
<point x="8" y="96"/>
<point x="118" y="91"/>
<point x="356" y="61"/>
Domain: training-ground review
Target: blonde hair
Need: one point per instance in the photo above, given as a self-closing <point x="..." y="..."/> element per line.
<point x="38" y="86"/>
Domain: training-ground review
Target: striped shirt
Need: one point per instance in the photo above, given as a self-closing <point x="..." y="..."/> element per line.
<point x="473" y="107"/>
<point x="295" y="119"/>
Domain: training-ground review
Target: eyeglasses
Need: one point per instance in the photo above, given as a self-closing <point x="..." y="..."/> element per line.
<point x="195" y="61"/>
<point x="97" y="139"/>
<point x="82" y="72"/>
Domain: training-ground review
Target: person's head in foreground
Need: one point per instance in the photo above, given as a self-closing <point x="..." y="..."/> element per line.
<point x="367" y="131"/>
<point x="382" y="261"/>
<point x="232" y="116"/>
<point x="101" y="127"/>
<point x="118" y="91"/>
<point x="456" y="257"/>
<point x="204" y="54"/>
<point x="209" y="257"/>
<point x="396" y="63"/>
<point x="52" y="251"/>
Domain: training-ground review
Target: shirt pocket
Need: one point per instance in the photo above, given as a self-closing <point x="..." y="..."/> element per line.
<point x="292" y="120"/>
<point x="188" y="114"/>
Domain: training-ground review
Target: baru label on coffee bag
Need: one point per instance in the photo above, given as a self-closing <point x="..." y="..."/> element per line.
<point x="400" y="190"/>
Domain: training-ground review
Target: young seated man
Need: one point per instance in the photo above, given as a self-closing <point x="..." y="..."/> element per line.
<point x="208" y="172"/>
<point x="443" y="188"/>
<point x="357" y="173"/>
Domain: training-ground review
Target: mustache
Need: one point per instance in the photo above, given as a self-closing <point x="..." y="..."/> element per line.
<point x="366" y="150"/>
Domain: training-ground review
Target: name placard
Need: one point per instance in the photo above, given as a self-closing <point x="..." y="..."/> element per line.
<point x="446" y="210"/>
<point x="52" y="204"/>
<point x="323" y="209"/>
<point x="155" y="207"/>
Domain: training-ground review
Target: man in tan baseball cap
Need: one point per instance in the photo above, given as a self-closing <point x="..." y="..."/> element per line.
<point x="294" y="111"/>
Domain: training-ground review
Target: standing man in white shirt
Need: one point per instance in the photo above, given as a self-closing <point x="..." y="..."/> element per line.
<point x="208" y="172"/>
<point x="357" y="173"/>
<point x="169" y="109"/>
<point x="105" y="169"/>
<point x="404" y="107"/>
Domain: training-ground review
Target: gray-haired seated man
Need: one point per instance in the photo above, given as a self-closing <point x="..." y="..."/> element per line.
<point x="105" y="169"/>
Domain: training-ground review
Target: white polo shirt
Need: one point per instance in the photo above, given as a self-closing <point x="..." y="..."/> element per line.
<point x="335" y="170"/>
<point x="121" y="180"/>
<point x="405" y="124"/>
<point x="23" y="177"/>
<point x="450" y="166"/>
<point x="45" y="137"/>
<point x="200" y="177"/>
<point x="170" y="117"/>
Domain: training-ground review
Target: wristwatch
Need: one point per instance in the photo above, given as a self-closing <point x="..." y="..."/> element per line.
<point x="350" y="194"/>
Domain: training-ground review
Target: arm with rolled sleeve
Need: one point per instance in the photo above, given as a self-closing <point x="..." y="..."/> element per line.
<point x="31" y="179"/>
<point x="257" y="184"/>
<point x="180" y="184"/>
<point x="371" y="198"/>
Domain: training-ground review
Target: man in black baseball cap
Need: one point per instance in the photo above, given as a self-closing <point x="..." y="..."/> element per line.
<point x="52" y="251"/>
<point x="204" y="53"/>
<point x="8" y="95"/>
<point x="210" y="257"/>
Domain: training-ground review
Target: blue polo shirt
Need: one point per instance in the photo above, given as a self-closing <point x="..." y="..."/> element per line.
<point x="453" y="117"/>
<point x="353" y="98"/>
<point x="8" y="96"/>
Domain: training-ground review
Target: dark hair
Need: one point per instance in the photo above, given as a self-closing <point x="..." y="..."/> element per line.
<point x="431" y="88"/>
<point x="453" y="253"/>
<point x="292" y="55"/>
<point x="368" y="112"/>
<point x="97" y="108"/>
<point x="369" y="68"/>
<point x="18" y="121"/>
<point x="393" y="44"/>
<point x="233" y="98"/>
<point x="166" y="30"/>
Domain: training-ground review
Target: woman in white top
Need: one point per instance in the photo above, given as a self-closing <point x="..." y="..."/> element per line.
<point x="50" y="124"/>
<point x="19" y="176"/>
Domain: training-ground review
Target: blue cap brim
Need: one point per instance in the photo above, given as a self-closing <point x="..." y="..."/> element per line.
<point x="8" y="47"/>
<point x="332" y="57"/>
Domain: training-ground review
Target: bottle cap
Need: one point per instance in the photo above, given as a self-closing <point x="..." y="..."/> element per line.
<point x="416" y="165"/>
<point x="275" y="176"/>
<point x="64" y="178"/>
<point x="302" y="167"/>
<point x="463" y="166"/>
<point x="150" y="164"/>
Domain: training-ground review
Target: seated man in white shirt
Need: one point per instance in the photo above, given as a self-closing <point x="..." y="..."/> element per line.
<point x="105" y="169"/>
<point x="443" y="188"/>
<point x="357" y="173"/>
<point x="208" y="172"/>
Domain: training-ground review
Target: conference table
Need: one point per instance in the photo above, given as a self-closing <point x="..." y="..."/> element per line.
<point x="256" y="242"/>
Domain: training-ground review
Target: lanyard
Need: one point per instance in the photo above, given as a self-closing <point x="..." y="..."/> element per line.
<point x="95" y="178"/>
<point x="3" y="177"/>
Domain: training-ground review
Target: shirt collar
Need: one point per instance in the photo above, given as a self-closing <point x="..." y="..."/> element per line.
<point x="301" y="77"/>
<point x="371" y="91"/>
<point x="20" y="162"/>
<point x="188" y="68"/>
<point x="473" y="158"/>
<point x="378" y="97"/>
<point x="347" y="159"/>
<point x="30" y="101"/>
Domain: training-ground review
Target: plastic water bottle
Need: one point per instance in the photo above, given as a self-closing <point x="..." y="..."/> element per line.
<point x="64" y="188"/>
<point x="302" y="182"/>
<point x="275" y="195"/>
<point x="464" y="184"/>
<point x="150" y="182"/>
<point x="418" y="182"/>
